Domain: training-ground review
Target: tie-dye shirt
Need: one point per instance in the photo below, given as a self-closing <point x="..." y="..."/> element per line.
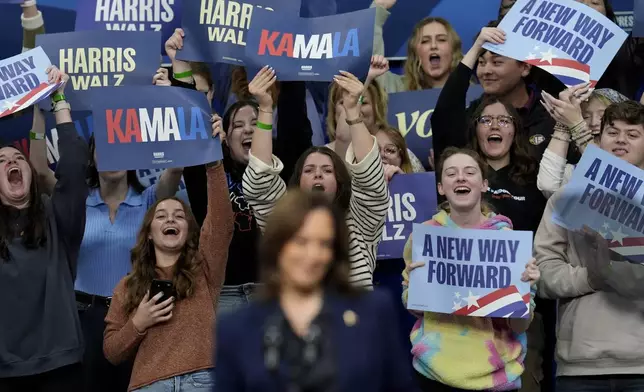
<point x="474" y="353"/>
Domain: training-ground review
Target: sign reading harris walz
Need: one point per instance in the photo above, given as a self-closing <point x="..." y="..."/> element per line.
<point x="99" y="59"/>
<point x="568" y="39"/>
<point x="215" y="30"/>
<point x="312" y="49"/>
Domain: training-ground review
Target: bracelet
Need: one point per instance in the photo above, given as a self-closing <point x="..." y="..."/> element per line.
<point x="554" y="136"/>
<point x="182" y="75"/>
<point x="36" y="136"/>
<point x="58" y="97"/>
<point x="582" y="134"/>
<point x="61" y="105"/>
<point x="264" y="127"/>
<point x="559" y="127"/>
<point x="578" y="127"/>
<point x="355" y="122"/>
<point x="265" y="111"/>
<point x="361" y="100"/>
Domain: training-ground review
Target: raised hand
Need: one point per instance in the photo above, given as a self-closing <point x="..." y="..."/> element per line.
<point x="150" y="313"/>
<point x="55" y="75"/>
<point x="174" y="43"/>
<point x="410" y="267"/>
<point x="391" y="170"/>
<point x="379" y="66"/>
<point x="386" y="4"/>
<point x="493" y="35"/>
<point x="567" y="109"/>
<point x="217" y="128"/>
<point x="352" y="89"/>
<point x="260" y="87"/>
<point x="161" y="78"/>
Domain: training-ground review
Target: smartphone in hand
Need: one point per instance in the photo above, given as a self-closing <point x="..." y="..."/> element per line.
<point x="161" y="286"/>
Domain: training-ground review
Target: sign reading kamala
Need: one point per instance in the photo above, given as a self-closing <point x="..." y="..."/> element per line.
<point x="150" y="127"/>
<point x="312" y="48"/>
<point x="470" y="272"/>
<point x="412" y="199"/>
<point x="129" y="15"/>
<point x="411" y="112"/>
<point x="94" y="59"/>
<point x="568" y="39"/>
<point x="23" y="81"/>
<point x="605" y="193"/>
<point x="215" y="30"/>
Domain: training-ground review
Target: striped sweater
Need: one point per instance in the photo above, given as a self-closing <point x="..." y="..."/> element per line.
<point x="263" y="187"/>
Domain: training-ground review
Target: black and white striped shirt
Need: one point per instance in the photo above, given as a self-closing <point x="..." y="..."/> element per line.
<point x="263" y="187"/>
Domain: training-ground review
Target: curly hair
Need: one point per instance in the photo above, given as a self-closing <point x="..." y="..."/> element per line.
<point x="143" y="259"/>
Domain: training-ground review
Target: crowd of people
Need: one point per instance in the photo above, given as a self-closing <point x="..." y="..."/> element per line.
<point x="268" y="279"/>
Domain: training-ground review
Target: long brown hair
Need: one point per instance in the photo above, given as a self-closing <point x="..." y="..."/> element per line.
<point x="399" y="141"/>
<point x="523" y="165"/>
<point x="143" y="259"/>
<point x="450" y="152"/>
<point x="284" y="222"/>
<point x="415" y="78"/>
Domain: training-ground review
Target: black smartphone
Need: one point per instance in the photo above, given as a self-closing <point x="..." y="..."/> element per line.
<point x="161" y="286"/>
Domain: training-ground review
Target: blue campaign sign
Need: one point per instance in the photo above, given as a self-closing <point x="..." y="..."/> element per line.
<point x="411" y="112"/>
<point x="216" y="30"/>
<point x="23" y="81"/>
<point x="312" y="49"/>
<point x="412" y="199"/>
<point x="568" y="39"/>
<point x="638" y="22"/>
<point x="470" y="272"/>
<point x="605" y="193"/>
<point x="99" y="59"/>
<point x="126" y="15"/>
<point x="152" y="127"/>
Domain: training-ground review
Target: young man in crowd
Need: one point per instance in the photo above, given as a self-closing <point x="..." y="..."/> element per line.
<point x="601" y="321"/>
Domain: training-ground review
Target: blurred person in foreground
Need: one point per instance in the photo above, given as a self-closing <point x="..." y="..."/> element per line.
<point x="311" y="330"/>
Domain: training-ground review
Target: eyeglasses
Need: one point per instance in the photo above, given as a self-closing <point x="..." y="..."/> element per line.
<point x="503" y="120"/>
<point x="389" y="150"/>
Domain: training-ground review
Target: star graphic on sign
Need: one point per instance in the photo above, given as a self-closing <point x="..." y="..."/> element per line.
<point x="472" y="300"/>
<point x="603" y="234"/>
<point x="8" y="105"/>
<point x="606" y="226"/>
<point x="618" y="236"/>
<point x="536" y="48"/>
<point x="457" y="305"/>
<point x="531" y="56"/>
<point x="548" y="56"/>
<point x="457" y="295"/>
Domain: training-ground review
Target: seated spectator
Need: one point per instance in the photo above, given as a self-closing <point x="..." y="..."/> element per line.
<point x="311" y="330"/>
<point x="600" y="321"/>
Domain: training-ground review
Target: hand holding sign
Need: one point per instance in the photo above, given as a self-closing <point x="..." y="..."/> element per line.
<point x="55" y="76"/>
<point x="217" y="128"/>
<point x="493" y="35"/>
<point x="597" y="259"/>
<point x="531" y="273"/>
<point x="260" y="86"/>
<point x="161" y="78"/>
<point x="174" y="43"/>
<point x="391" y="170"/>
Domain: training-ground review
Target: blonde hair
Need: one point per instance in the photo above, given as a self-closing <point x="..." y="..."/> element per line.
<point x="378" y="102"/>
<point x="414" y="76"/>
<point x="399" y="141"/>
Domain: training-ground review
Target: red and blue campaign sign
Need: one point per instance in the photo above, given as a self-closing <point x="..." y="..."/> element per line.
<point x="470" y="272"/>
<point x="412" y="199"/>
<point x="606" y="194"/>
<point x="568" y="39"/>
<point x="127" y="15"/>
<point x="411" y="112"/>
<point x="98" y="59"/>
<point x="152" y="127"/>
<point x="23" y="81"/>
<point x="216" y="30"/>
<point x="312" y="49"/>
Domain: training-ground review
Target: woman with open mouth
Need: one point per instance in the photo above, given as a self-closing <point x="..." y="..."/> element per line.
<point x="171" y="340"/>
<point x="357" y="184"/>
<point x="433" y="52"/>
<point x="439" y="362"/>
<point x="41" y="342"/>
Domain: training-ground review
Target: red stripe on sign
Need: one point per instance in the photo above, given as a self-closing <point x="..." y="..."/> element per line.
<point x="486" y="300"/>
<point x="30" y="94"/>
<point x="628" y="241"/>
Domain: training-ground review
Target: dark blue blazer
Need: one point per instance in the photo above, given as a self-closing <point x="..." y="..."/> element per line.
<point x="367" y="352"/>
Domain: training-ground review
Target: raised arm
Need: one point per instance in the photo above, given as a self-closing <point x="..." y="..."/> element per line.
<point x="38" y="152"/>
<point x="32" y="24"/>
<point x="559" y="279"/>
<point x="168" y="184"/>
<point x="70" y="193"/>
<point x="362" y="141"/>
<point x="262" y="184"/>
<point x="217" y="229"/>
<point x="390" y="81"/>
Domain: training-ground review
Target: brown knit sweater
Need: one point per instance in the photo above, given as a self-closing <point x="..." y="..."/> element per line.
<point x="184" y="344"/>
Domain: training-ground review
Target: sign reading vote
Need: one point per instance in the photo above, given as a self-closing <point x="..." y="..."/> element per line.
<point x="470" y="272"/>
<point x="215" y="30"/>
<point x="411" y="112"/>
<point x="412" y="199"/>
<point x="149" y="127"/>
<point x="568" y="39"/>
<point x="98" y="59"/>
<point x="605" y="193"/>
<point x="129" y="15"/>
<point x="23" y="81"/>
<point x="312" y="48"/>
